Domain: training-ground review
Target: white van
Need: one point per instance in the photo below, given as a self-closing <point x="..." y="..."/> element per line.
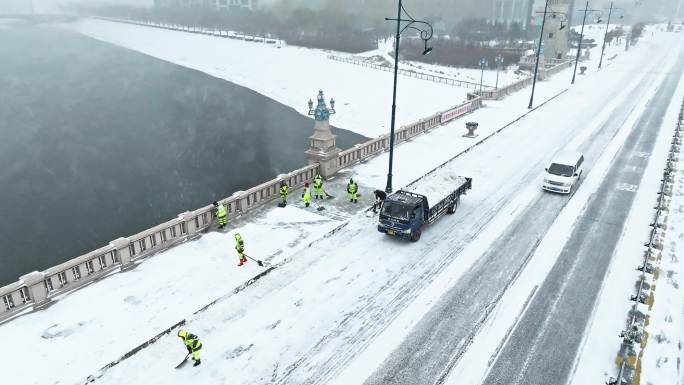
<point x="563" y="172"/>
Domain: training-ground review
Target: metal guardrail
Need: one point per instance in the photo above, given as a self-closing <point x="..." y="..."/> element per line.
<point x="632" y="337"/>
<point x="411" y="73"/>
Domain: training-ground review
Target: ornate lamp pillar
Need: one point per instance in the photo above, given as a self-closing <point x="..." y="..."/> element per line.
<point x="322" y="148"/>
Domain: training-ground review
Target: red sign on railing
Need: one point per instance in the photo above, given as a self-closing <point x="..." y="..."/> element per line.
<point x="456" y="112"/>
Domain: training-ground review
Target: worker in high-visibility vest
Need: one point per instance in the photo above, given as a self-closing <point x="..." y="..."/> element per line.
<point x="240" y="248"/>
<point x="284" y="190"/>
<point x="353" y="191"/>
<point x="221" y="214"/>
<point x="193" y="344"/>
<point x="318" y="187"/>
<point x="306" y="195"/>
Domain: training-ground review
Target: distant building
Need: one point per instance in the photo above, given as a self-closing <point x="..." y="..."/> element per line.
<point x="556" y="30"/>
<point x="221" y="5"/>
<point x="511" y="10"/>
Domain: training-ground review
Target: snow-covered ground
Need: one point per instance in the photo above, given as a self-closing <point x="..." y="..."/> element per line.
<point x="290" y="325"/>
<point x="290" y="75"/>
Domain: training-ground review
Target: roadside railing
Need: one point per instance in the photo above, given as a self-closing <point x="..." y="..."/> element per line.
<point x="634" y="336"/>
<point x="373" y="147"/>
<point x="410" y="73"/>
<point x="500" y="93"/>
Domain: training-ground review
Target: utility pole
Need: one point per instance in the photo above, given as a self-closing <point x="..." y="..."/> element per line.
<point x="579" y="44"/>
<point x="536" y="65"/>
<point x="627" y="38"/>
<point x="610" y="13"/>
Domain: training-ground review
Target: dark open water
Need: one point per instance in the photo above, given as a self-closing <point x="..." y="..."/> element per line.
<point x="98" y="142"/>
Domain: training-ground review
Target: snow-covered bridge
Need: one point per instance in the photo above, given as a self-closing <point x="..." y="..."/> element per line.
<point x="354" y="306"/>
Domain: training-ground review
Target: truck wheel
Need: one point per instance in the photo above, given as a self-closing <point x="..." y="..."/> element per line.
<point x="416" y="236"/>
<point x="452" y="209"/>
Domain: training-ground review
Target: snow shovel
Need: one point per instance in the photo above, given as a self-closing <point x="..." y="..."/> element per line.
<point x="260" y="263"/>
<point x="328" y="195"/>
<point x="319" y="207"/>
<point x="182" y="362"/>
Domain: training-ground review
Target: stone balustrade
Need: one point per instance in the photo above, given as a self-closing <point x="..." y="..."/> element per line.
<point x="35" y="290"/>
<point x="373" y="147"/>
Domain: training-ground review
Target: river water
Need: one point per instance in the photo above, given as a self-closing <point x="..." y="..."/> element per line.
<point x="98" y="142"/>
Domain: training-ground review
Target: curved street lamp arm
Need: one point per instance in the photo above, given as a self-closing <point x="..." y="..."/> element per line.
<point x="425" y="34"/>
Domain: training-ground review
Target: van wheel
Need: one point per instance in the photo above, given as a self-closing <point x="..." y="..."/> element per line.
<point x="416" y="236"/>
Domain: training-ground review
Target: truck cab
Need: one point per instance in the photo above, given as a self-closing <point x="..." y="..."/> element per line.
<point x="403" y="214"/>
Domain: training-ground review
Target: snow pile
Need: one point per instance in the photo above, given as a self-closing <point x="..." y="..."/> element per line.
<point x="437" y="186"/>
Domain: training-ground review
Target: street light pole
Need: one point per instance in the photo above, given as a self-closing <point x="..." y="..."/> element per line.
<point x="483" y="64"/>
<point x="499" y="62"/>
<point x="425" y="35"/>
<point x="605" y="35"/>
<point x="579" y="45"/>
<point x="388" y="188"/>
<point x="536" y="65"/>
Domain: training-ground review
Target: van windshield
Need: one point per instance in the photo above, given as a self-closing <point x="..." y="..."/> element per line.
<point x="561" y="170"/>
<point x="396" y="211"/>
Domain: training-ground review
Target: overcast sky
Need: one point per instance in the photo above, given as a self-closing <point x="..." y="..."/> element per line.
<point x="666" y="7"/>
<point x="20" y="6"/>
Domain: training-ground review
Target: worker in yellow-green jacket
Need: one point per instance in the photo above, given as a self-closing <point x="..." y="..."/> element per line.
<point x="284" y="191"/>
<point x="306" y="195"/>
<point x="240" y="248"/>
<point x="221" y="214"/>
<point x="353" y="191"/>
<point x="318" y="187"/>
<point x="193" y="344"/>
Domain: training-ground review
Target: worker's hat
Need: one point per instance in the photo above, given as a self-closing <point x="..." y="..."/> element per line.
<point x="182" y="333"/>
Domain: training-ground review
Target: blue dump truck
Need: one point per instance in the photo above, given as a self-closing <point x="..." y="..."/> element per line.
<point x="404" y="213"/>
